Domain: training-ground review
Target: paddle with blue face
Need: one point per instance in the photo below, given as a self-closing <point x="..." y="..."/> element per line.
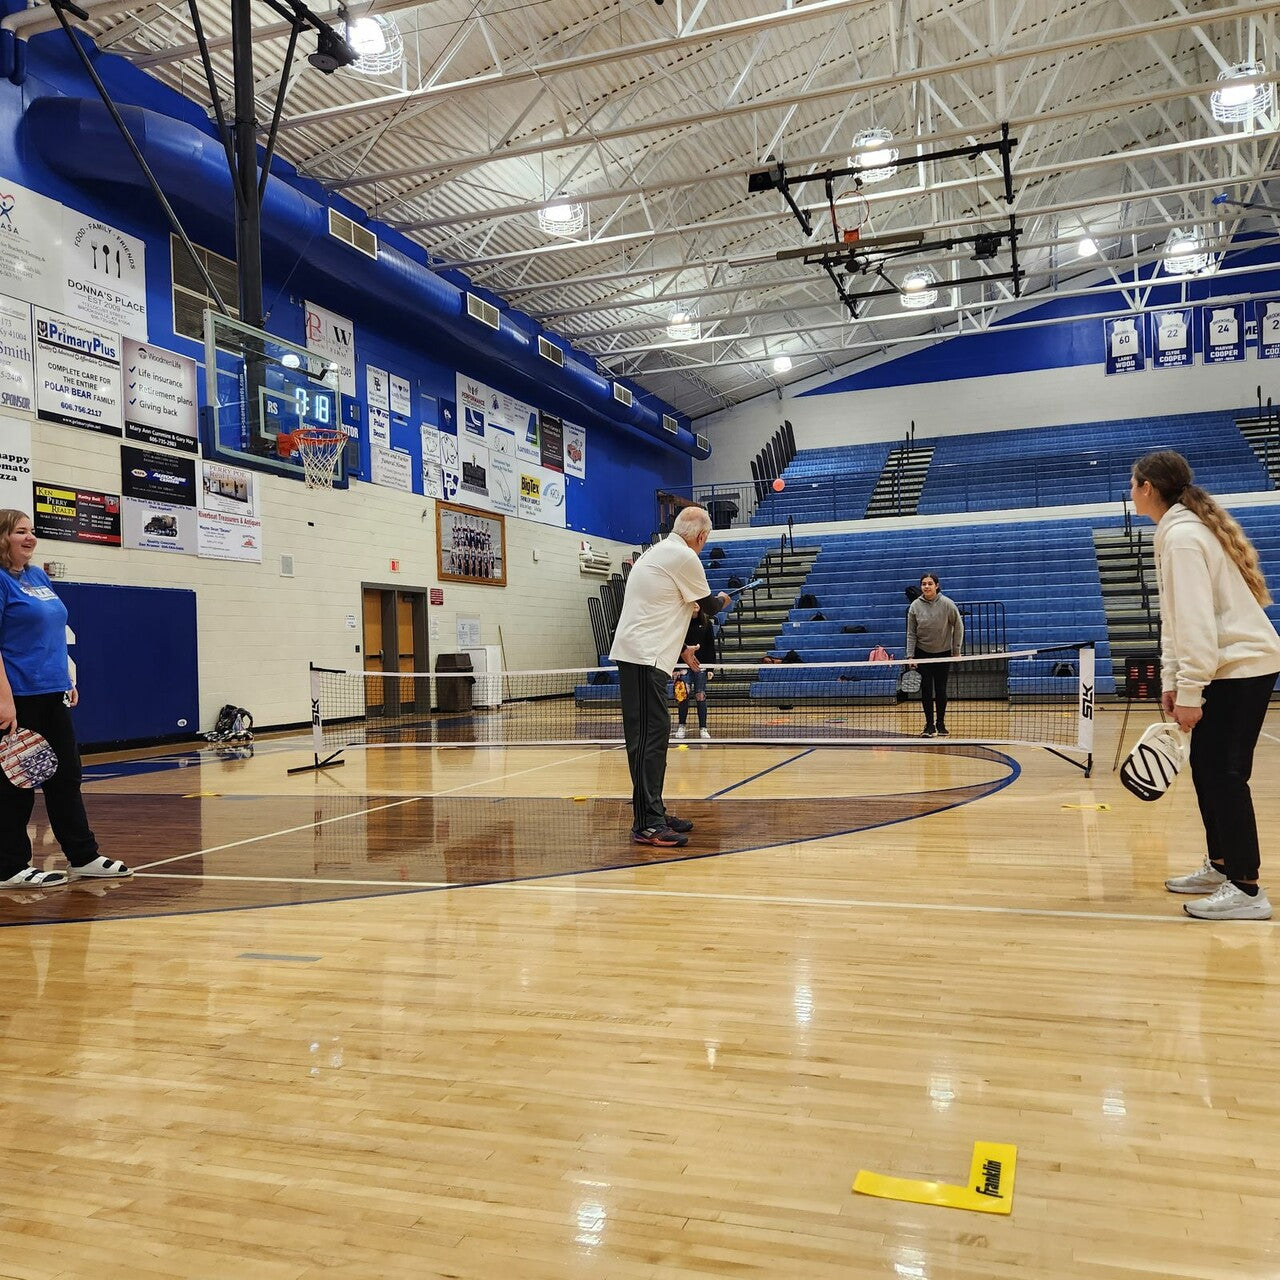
<point x="746" y="586"/>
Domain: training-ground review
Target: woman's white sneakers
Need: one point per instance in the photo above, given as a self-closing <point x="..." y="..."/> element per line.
<point x="1228" y="902"/>
<point x="1206" y="880"/>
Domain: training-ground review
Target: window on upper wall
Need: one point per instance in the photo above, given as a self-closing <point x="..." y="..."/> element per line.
<point x="190" y="293"/>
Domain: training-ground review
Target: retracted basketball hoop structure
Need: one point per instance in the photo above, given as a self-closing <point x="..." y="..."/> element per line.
<point x="857" y="254"/>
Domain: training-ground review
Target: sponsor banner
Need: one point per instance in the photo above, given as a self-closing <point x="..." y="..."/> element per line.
<point x="157" y="477"/>
<point x="227" y="490"/>
<point x="1223" y="333"/>
<point x="541" y="496"/>
<point x="15" y="464"/>
<point x="30" y="247"/>
<point x="448" y="418"/>
<point x="450" y="466"/>
<point x="401" y="395"/>
<point x="528" y="449"/>
<point x="379" y="428"/>
<point x="392" y="468"/>
<point x="501" y="441"/>
<point x="551" y="442"/>
<point x="222" y="536"/>
<point x="1267" y="318"/>
<point x="432" y="484"/>
<point x="158" y="526"/>
<point x="575" y="451"/>
<point x="475" y="473"/>
<point x="77" y="374"/>
<point x="472" y="400"/>
<point x="104" y="275"/>
<point x="1122" y="339"/>
<point x="377" y="390"/>
<point x="17" y="357"/>
<point x="504" y="484"/>
<point x="333" y="337"/>
<point x="77" y="515"/>
<point x="1171" y="338"/>
<point x="159" y="397"/>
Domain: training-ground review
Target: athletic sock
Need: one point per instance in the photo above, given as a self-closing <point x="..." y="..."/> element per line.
<point x="1250" y="889"/>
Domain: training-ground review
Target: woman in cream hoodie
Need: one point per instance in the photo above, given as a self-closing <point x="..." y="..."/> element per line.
<point x="1219" y="655"/>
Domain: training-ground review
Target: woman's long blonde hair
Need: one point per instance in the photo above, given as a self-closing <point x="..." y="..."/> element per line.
<point x="9" y="516"/>
<point x="1170" y="475"/>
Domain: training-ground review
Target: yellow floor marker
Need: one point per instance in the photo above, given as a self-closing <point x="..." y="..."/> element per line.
<point x="1101" y="808"/>
<point x="990" y="1187"/>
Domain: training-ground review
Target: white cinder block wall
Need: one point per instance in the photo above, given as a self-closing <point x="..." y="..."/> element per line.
<point x="1044" y="397"/>
<point x="258" y="630"/>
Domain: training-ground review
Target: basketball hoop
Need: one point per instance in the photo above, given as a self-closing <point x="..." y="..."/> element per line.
<point x="320" y="448"/>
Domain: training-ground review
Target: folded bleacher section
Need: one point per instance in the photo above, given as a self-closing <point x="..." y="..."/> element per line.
<point x="824" y="485"/>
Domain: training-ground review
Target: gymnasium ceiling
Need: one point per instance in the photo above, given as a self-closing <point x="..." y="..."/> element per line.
<point x="651" y="116"/>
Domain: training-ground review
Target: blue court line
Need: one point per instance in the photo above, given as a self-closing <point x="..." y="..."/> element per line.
<point x="715" y="795"/>
<point x="1015" y="772"/>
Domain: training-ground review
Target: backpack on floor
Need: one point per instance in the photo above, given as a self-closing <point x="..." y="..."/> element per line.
<point x="879" y="654"/>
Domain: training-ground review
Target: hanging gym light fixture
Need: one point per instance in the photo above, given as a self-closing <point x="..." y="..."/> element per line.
<point x="874" y="155"/>
<point x="1235" y="103"/>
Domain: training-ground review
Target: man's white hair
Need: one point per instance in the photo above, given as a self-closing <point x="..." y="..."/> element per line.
<point x="691" y="522"/>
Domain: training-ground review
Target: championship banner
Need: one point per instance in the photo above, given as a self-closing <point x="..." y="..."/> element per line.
<point x="160" y="397"/>
<point x="1223" y="333"/>
<point x="1171" y="338"/>
<point x="77" y="374"/>
<point x="1267" y="315"/>
<point x="17" y="357"/>
<point x="1122" y="340"/>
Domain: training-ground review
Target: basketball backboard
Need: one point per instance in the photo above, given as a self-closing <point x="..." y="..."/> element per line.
<point x="260" y="389"/>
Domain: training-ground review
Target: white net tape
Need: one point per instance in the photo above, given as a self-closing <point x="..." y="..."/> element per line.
<point x="319" y="450"/>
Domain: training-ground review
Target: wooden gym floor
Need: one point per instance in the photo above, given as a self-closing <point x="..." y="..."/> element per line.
<point x="431" y="1015"/>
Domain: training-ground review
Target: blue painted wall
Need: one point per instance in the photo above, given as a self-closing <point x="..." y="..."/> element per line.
<point x="624" y="465"/>
<point x="1067" y="344"/>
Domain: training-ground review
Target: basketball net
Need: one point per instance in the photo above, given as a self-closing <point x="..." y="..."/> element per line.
<point x="319" y="448"/>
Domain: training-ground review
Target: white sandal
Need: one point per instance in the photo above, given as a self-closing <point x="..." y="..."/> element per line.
<point x="102" y="869"/>
<point x="30" y="878"/>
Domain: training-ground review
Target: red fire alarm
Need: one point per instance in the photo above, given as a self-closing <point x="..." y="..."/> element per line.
<point x="395" y="566"/>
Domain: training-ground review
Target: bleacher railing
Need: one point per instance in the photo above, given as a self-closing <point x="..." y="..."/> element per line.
<point x="980" y="484"/>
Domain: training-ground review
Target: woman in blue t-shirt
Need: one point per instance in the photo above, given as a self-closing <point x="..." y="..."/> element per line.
<point x="35" y="691"/>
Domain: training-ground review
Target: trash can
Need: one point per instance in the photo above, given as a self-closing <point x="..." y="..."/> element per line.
<point x="454" y="694"/>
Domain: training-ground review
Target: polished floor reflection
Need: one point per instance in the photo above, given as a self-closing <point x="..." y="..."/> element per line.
<point x="478" y="1034"/>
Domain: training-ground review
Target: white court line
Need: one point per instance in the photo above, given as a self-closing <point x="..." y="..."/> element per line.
<point x="344" y="817"/>
<point x="841" y="903"/>
<point x="361" y="884"/>
<point x="1270" y="737"/>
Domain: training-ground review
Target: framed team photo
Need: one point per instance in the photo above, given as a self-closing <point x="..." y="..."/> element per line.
<point x="471" y="546"/>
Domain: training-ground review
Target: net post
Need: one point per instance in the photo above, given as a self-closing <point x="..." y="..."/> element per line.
<point x="317" y="731"/>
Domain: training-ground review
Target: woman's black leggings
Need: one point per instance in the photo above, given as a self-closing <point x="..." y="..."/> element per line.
<point x="933" y="687"/>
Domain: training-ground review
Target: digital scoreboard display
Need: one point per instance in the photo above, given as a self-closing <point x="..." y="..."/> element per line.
<point x="291" y="400"/>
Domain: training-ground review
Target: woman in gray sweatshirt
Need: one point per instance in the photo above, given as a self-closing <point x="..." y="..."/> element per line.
<point x="934" y="630"/>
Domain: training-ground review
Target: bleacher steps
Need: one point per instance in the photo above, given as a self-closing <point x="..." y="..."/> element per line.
<point x="1124" y="564"/>
<point x="897" y="492"/>
<point x="750" y="631"/>
<point x="1264" y="440"/>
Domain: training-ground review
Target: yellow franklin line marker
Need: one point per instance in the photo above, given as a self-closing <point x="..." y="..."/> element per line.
<point x="1101" y="808"/>
<point x="989" y="1190"/>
